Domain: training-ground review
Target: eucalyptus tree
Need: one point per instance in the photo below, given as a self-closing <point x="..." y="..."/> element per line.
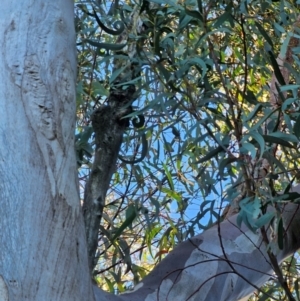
<point x="180" y="106"/>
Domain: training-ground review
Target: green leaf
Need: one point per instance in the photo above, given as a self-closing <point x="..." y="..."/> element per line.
<point x="297" y="127"/>
<point x="211" y="154"/>
<point x="200" y="7"/>
<point x="260" y="140"/>
<point x="110" y="285"/>
<point x="86" y="134"/>
<point x="116" y="73"/>
<point x="195" y="14"/>
<point x="163" y="71"/>
<point x="250" y="210"/>
<point x="99" y="89"/>
<point x="253" y="112"/>
<point x="280" y="233"/>
<point x="276" y="69"/>
<point x="248" y="147"/>
<point x="265" y="117"/>
<point x="289" y="87"/>
<point x="251" y="98"/>
<point x="185" y="21"/>
<point x="291" y="196"/>
<point x="170" y="2"/>
<point x="107" y="46"/>
<point x="287" y="103"/>
<point x="251" y="206"/>
<point x="169" y="176"/>
<point x="284" y="136"/>
<point x="131" y="214"/>
<point x="276" y="140"/>
<point x="265" y="219"/>
<point x="224" y="163"/>
<point x="264" y="33"/>
<point x="223" y="18"/>
<point x="279" y="28"/>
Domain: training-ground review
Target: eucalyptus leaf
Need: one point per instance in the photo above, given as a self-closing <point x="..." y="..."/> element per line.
<point x="265" y="219"/>
<point x="107" y="46"/>
<point x="297" y="127"/>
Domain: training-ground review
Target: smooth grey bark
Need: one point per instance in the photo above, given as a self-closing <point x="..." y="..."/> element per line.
<point x="42" y="243"/>
<point x="222" y="263"/>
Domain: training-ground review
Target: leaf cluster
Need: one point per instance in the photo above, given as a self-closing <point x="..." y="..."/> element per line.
<point x="204" y="89"/>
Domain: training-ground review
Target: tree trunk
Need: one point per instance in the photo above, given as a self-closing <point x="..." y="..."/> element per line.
<point x="43" y="250"/>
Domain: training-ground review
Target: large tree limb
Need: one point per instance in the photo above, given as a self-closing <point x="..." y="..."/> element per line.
<point x="223" y="263"/>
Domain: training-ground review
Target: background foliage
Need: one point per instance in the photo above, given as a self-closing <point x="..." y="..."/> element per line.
<point x="204" y="89"/>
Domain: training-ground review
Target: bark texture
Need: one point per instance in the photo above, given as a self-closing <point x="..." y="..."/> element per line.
<point x="223" y="263"/>
<point x="109" y="128"/>
<point x="43" y="250"/>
